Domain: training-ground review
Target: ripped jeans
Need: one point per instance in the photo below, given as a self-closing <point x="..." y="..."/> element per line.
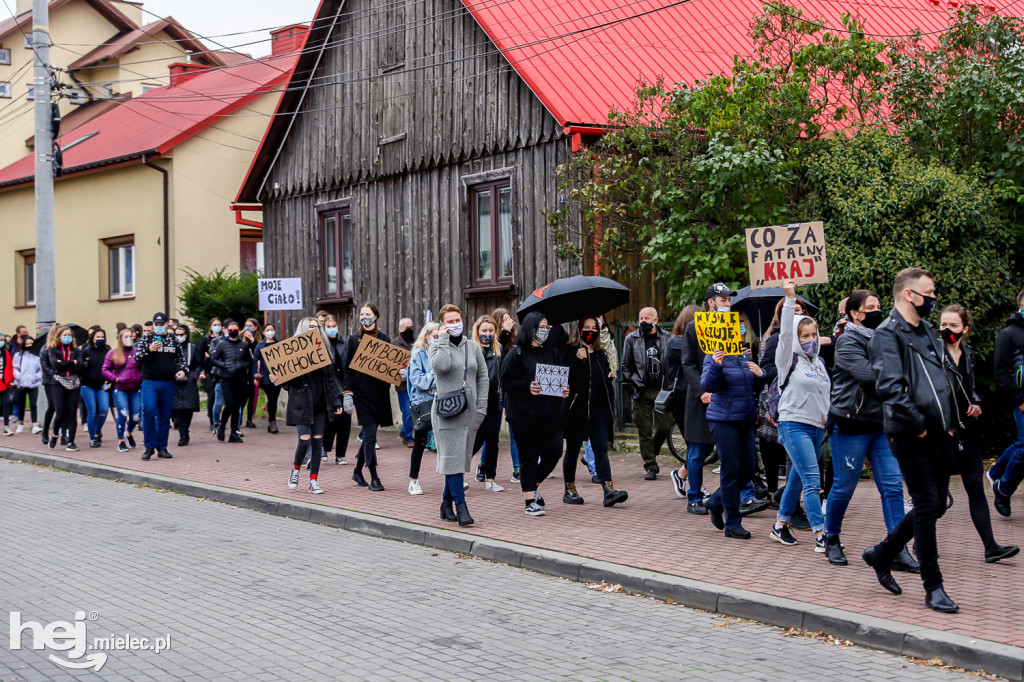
<point x="129" y="411"/>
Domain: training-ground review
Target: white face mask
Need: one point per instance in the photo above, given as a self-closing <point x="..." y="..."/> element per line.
<point x="128" y="342"/>
<point x="269" y="334"/>
<point x="455" y="329"/>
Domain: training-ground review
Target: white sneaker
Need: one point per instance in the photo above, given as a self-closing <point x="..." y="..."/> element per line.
<point x="376" y="446"/>
<point x="293" y="479"/>
<point x="716" y="470"/>
<point x="414" y="488"/>
<point x="324" y="458"/>
<point x="20" y="429"/>
<point x="8" y="432"/>
<point x="37" y="430"/>
<point x="493" y="487"/>
<point x="315" y="488"/>
<point x="465" y="484"/>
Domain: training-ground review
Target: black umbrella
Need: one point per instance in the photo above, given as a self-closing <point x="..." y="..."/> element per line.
<point x="571" y="298"/>
<point x="81" y="335"/>
<point x="759" y="306"/>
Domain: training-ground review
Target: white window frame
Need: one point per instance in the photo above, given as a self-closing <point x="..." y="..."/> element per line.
<point x="30" y="267"/>
<point x="5" y="56"/>
<point x="146" y="87"/>
<point x="119" y="285"/>
<point x="30" y="92"/>
<point x="6" y="90"/>
<point x="28" y="41"/>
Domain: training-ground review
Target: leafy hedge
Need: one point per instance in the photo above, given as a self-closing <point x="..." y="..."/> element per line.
<point x="220" y="295"/>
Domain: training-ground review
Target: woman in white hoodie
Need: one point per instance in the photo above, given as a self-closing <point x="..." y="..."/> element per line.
<point x="804" y="394"/>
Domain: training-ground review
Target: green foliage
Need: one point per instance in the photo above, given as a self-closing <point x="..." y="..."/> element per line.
<point x="886" y="210"/>
<point x="218" y="295"/>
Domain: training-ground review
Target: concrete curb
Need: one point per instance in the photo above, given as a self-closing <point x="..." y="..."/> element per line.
<point x="876" y="633"/>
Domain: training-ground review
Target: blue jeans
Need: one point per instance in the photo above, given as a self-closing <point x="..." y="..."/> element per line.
<point x="97" y="404"/>
<point x="157" y="403"/>
<point x="1009" y="468"/>
<point x="453" y="489"/>
<point x="695" y="455"/>
<point x="588" y="458"/>
<point x="403" y="405"/>
<point x="848" y="453"/>
<point x="218" y="403"/>
<point x="803" y="442"/>
<point x="129" y="411"/>
<point x="737" y="449"/>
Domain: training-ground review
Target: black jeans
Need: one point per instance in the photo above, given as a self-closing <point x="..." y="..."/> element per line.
<point x="50" y="410"/>
<point x="273" y="393"/>
<point x="249" y="403"/>
<point x="32" y="394"/>
<point x="540" y="447"/>
<point x="597" y="433"/>
<point x="183" y="420"/>
<point x="773" y="456"/>
<point x="65" y="405"/>
<point x="234" y="390"/>
<point x="210" y="385"/>
<point x="419" y="444"/>
<point x="338" y="430"/>
<point x="7" y="404"/>
<point x="368" y="450"/>
<point x="926" y="464"/>
<point x="315" y="443"/>
<point x="487" y="435"/>
<point x="737" y="449"/>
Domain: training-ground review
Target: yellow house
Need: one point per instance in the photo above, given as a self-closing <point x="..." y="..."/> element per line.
<point x="108" y="53"/>
<point x="144" y="193"/>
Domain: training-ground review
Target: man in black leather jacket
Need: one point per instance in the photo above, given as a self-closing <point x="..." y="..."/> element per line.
<point x="908" y="360"/>
<point x="643" y="352"/>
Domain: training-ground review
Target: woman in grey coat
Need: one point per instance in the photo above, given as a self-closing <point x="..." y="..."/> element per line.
<point x="457" y="362"/>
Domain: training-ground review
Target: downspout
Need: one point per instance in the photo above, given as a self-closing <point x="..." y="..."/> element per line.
<point x="167" y="233"/>
<point x="576" y="135"/>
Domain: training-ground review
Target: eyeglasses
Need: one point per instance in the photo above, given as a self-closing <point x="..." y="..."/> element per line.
<point x="543" y="327"/>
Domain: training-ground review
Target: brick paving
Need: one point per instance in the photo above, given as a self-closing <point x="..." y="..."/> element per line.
<point x="652" y="530"/>
<point x="248" y="596"/>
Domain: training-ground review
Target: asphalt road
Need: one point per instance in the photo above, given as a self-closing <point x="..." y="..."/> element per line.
<point x="234" y="594"/>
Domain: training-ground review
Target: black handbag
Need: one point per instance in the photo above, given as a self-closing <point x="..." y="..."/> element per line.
<point x="663" y="403"/>
<point x="420" y="413"/>
<point x="453" y="403"/>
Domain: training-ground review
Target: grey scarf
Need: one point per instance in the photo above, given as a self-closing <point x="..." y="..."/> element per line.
<point x="866" y="332"/>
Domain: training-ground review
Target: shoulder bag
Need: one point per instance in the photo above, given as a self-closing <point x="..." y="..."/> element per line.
<point x="453" y="403"/>
<point x="663" y="402"/>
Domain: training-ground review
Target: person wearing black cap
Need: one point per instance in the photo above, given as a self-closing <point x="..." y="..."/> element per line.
<point x="643" y="352"/>
<point x="163" y="361"/>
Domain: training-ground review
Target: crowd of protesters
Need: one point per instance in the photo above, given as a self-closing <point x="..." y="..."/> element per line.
<point x="889" y="391"/>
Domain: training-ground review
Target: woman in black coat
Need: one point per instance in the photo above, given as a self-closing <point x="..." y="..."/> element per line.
<point x="588" y="413"/>
<point x="63" y="358"/>
<point x="313" y="399"/>
<point x="485" y="335"/>
<point x="338" y="430"/>
<point x="186" y="391"/>
<point x="262" y="377"/>
<point x="368" y="397"/>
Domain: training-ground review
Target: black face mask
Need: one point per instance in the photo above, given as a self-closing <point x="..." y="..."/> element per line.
<point x="949" y="336"/>
<point x="233" y="333"/>
<point x="407" y="335"/>
<point x="100" y="343"/>
<point x="873" y="319"/>
<point x="588" y="336"/>
<point x="646" y="327"/>
<point x="926" y="308"/>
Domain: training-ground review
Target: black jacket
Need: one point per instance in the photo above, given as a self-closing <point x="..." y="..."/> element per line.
<point x="92" y="365"/>
<point x="204" y="352"/>
<point x="581" y="401"/>
<point x="854" y="396"/>
<point x="186" y="392"/>
<point x="232" y="358"/>
<point x="304" y="400"/>
<point x="372" y="397"/>
<point x="634" y="359"/>
<point x="696" y="429"/>
<point x="493" y="377"/>
<point x="163" y="364"/>
<point x="518" y="370"/>
<point x="963" y="393"/>
<point x="1008" y="359"/>
<point x="672" y="369"/>
<point x="44" y="365"/>
<point x="65" y="362"/>
<point x="910" y="377"/>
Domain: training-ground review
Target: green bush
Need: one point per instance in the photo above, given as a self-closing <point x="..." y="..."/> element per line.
<point x="218" y="295"/>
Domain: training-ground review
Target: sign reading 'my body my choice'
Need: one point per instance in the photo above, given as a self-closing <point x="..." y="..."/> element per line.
<point x="796" y="252"/>
<point x="380" y="360"/>
<point x="295" y="356"/>
<point x="281" y="293"/>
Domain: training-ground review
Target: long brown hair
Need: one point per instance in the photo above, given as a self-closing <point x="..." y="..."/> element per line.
<point x="487" y="319"/>
<point x="498" y="315"/>
<point x="119" y="351"/>
<point x="684" y="319"/>
<point x="53" y="340"/>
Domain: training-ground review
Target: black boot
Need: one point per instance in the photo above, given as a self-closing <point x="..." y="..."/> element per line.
<point x="938" y="600"/>
<point x="571" y="496"/>
<point x="613" y="495"/>
<point x="462" y="514"/>
<point x="272" y="426"/>
<point x="357" y="476"/>
<point x="1000" y="552"/>
<point x="873" y="557"/>
<point x="905" y="563"/>
<point x="375" y="485"/>
<point x="447" y="513"/>
<point x="834" y="551"/>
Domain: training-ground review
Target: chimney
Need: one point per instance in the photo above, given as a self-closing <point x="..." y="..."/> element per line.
<point x="181" y="71"/>
<point x="288" y="39"/>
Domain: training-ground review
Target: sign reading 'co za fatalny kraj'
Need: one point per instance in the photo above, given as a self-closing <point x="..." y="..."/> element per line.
<point x="784" y="252"/>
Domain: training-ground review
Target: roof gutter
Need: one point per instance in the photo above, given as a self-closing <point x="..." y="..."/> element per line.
<point x="167" y="232"/>
<point x="577" y="133"/>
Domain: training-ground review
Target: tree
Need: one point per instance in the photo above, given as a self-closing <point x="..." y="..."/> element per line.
<point x="218" y="295"/>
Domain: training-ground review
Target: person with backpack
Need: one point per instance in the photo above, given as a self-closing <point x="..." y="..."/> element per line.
<point x="802" y="414"/>
<point x="857" y="434"/>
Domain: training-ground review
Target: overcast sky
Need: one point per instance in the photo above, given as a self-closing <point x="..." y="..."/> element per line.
<point x="215" y="18"/>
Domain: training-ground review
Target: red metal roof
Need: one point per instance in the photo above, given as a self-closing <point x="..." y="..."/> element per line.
<point x="584" y="58"/>
<point x="163" y="118"/>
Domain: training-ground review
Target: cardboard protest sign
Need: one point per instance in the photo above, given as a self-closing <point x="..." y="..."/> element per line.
<point x="796" y="252"/>
<point x="719" y="330"/>
<point x="380" y="360"/>
<point x="295" y="356"/>
<point x="281" y="293"/>
<point x="553" y="379"/>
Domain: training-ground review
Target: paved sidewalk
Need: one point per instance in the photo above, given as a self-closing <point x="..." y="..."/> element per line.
<point x="247" y="596"/>
<point x="651" y="531"/>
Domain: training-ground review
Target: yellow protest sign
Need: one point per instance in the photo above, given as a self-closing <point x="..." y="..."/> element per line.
<point x="380" y="360"/>
<point x="783" y="252"/>
<point x="295" y="356"/>
<point x="719" y="330"/>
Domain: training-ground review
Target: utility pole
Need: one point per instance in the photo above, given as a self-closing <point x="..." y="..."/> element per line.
<point x="45" y="280"/>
